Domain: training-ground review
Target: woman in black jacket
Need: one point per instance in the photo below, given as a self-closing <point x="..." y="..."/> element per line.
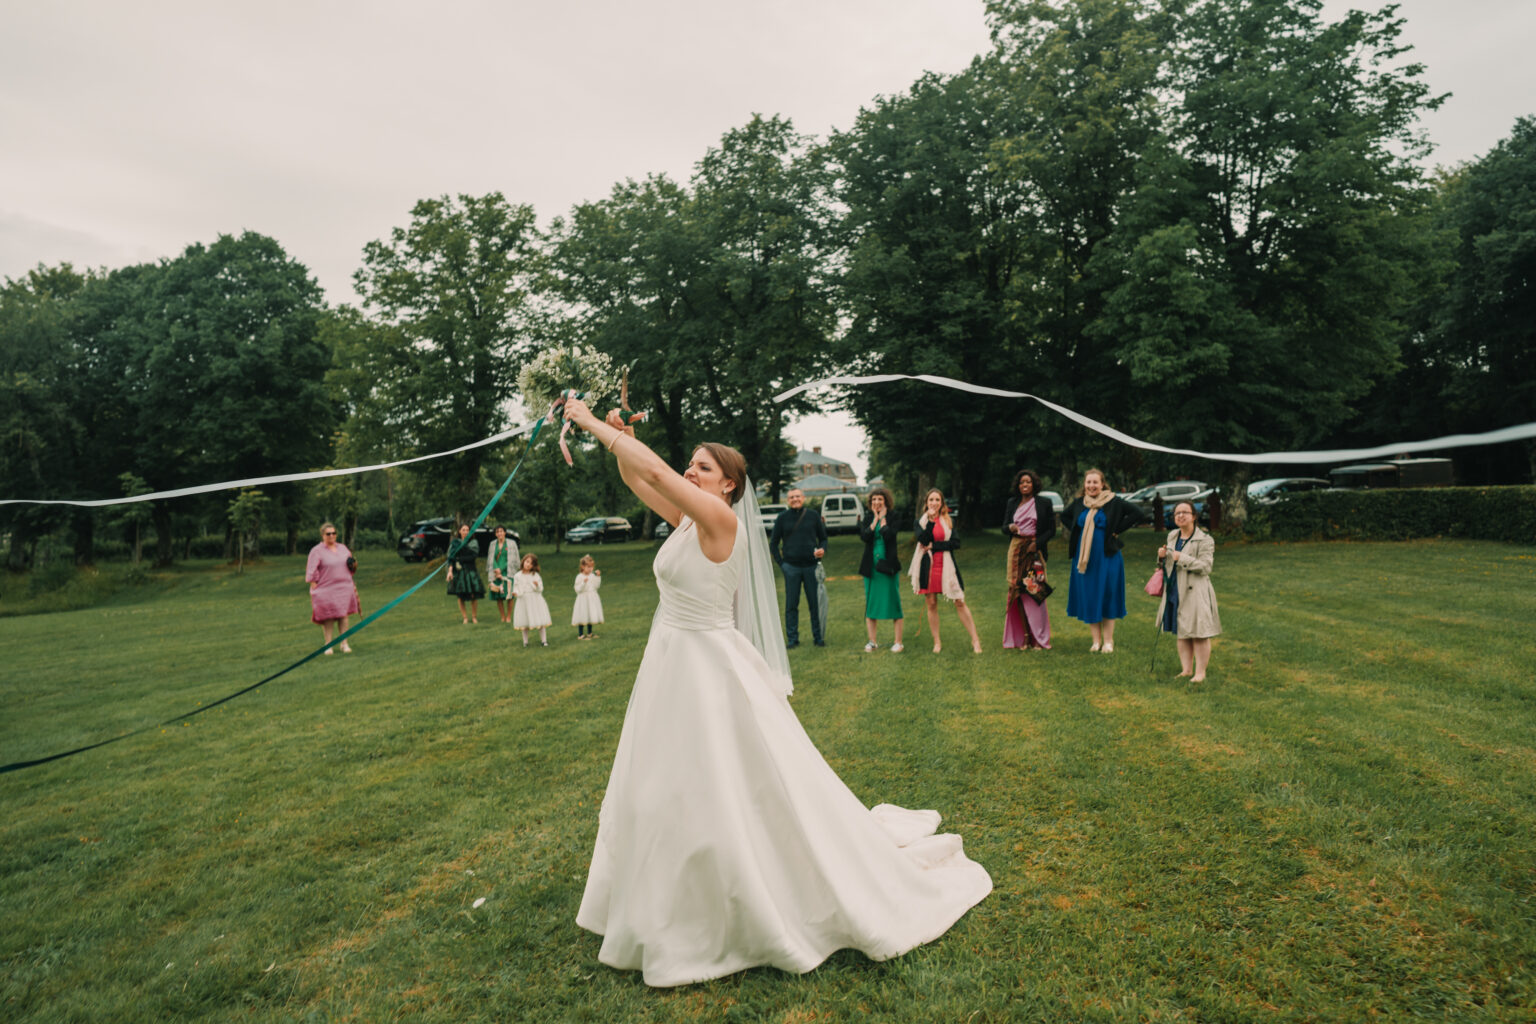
<point x="1096" y="595"/>
<point x="1029" y="523"/>
<point x="879" y="567"/>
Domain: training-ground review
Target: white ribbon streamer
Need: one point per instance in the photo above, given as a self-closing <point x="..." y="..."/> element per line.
<point x="1515" y="433"/>
<point x="259" y="481"/>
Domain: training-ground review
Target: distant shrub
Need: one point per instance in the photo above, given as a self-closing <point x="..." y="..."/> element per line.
<point x="1477" y="513"/>
<point x="54" y="575"/>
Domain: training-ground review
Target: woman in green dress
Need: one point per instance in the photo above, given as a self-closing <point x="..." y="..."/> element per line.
<point x="880" y="567"/>
<point x="463" y="579"/>
<point x="498" y="566"/>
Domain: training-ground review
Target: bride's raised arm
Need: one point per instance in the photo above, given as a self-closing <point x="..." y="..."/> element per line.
<point x="659" y="485"/>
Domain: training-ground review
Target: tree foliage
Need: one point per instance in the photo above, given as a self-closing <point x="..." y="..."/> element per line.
<point x="450" y="293"/>
<point x="713" y="294"/>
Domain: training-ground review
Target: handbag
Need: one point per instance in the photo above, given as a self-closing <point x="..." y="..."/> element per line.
<point x="1155" y="583"/>
<point x="1041" y="590"/>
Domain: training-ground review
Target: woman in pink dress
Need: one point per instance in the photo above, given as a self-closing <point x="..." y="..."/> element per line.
<point x="1029" y="523"/>
<point x="332" y="594"/>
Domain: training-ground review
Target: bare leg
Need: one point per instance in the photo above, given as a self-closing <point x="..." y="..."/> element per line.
<point x="346" y="648"/>
<point x="933" y="621"/>
<point x="1202" y="658"/>
<point x="325" y="629"/>
<point x="869" y="627"/>
<point x="474" y="609"/>
<point x="898" y="629"/>
<point x="1186" y="656"/>
<point x="463" y="615"/>
<point x="1096" y="629"/>
<point x="969" y="622"/>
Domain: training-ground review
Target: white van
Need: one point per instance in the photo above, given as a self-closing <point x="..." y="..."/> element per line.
<point x="842" y="512"/>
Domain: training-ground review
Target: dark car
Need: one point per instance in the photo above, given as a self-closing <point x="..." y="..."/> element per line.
<point x="599" y="530"/>
<point x="1267" y="492"/>
<point x="1173" y="491"/>
<point x="429" y="538"/>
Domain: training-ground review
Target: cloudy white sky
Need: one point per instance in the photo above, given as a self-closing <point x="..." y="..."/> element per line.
<point x="129" y="130"/>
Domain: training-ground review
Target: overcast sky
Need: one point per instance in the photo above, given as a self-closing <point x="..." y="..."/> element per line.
<point x="130" y="130"/>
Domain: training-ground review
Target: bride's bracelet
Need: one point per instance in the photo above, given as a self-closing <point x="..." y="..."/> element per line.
<point x="615" y="440"/>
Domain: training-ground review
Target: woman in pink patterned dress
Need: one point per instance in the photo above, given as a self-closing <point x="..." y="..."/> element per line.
<point x="332" y="594"/>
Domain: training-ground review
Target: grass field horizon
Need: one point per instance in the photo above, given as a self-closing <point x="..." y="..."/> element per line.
<point x="1340" y="824"/>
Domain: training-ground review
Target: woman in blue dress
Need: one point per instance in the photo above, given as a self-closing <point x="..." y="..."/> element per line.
<point x="1096" y="595"/>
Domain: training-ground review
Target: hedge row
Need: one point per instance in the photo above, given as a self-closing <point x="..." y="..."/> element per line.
<point x="1480" y="513"/>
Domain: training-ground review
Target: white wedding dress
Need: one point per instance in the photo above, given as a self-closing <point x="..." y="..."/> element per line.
<point x="725" y="840"/>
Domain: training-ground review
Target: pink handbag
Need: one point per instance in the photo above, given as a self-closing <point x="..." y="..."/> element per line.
<point x="1155" y="583"/>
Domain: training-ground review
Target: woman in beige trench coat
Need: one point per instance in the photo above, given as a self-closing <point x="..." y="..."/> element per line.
<point x="1188" y="607"/>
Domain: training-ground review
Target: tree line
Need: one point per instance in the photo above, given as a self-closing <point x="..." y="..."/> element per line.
<point x="1205" y="222"/>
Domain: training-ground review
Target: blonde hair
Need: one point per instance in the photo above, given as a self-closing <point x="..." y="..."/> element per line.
<point x="1103" y="480"/>
<point x="585" y="559"/>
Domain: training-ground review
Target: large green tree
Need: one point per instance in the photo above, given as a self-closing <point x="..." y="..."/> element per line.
<point x="1478" y="350"/>
<point x="714" y="294"/>
<point x="201" y="368"/>
<point x="450" y="294"/>
<point x="933" y="242"/>
<point x="1271" y="251"/>
<point x="39" y="434"/>
<point x="1082" y="101"/>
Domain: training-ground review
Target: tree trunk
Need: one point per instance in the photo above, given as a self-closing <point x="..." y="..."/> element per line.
<point x="16" y="558"/>
<point x="1234" y="497"/>
<point x="164" y="555"/>
<point x="85" y="537"/>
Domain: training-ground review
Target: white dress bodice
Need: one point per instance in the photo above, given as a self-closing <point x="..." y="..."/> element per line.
<point x="695" y="592"/>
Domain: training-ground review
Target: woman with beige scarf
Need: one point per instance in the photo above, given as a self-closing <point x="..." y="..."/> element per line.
<point x="1096" y="590"/>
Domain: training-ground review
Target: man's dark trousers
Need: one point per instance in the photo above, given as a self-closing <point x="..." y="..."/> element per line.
<point x="795" y="577"/>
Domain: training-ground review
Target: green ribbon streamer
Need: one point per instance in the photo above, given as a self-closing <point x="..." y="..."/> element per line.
<point x="458" y="542"/>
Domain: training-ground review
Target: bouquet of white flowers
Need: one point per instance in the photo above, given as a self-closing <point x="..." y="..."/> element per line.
<point x="548" y="376"/>
<point x="552" y="375"/>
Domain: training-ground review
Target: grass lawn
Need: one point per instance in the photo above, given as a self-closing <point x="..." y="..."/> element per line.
<point x="1339" y="825"/>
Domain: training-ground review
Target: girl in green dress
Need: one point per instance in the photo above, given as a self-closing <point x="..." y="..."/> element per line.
<point x="880" y="567"/>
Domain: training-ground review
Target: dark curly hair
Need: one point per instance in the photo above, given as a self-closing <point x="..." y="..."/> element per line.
<point x="1034" y="480"/>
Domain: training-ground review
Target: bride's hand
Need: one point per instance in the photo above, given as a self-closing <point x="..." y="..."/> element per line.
<point x="616" y="420"/>
<point x="577" y="412"/>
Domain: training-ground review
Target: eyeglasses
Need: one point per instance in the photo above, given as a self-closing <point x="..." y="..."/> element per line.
<point x="330" y="533"/>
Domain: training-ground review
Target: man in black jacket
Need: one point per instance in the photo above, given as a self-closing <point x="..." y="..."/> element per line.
<point x="798" y="541"/>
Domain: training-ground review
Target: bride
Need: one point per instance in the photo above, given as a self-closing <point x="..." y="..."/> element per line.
<point x="725" y="841"/>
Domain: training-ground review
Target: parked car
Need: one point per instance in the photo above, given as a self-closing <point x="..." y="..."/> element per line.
<point x="769" y="513"/>
<point x="663" y="528"/>
<point x="429" y="538"/>
<point x="1193" y="491"/>
<point x="1267" y="492"/>
<point x="1395" y="473"/>
<point x="599" y="530"/>
<point x="842" y="512"/>
<point x="1055" y="499"/>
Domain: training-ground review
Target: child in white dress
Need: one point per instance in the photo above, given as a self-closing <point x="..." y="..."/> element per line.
<point x="588" y="610"/>
<point x="532" y="611"/>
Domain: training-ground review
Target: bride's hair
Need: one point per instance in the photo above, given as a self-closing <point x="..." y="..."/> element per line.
<point x="731" y="464"/>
